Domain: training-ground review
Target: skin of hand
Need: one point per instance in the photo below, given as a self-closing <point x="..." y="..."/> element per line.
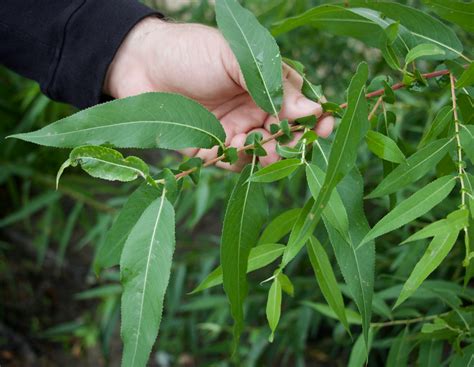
<point x="195" y="60"/>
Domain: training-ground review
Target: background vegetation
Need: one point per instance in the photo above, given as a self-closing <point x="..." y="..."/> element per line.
<point x="54" y="311"/>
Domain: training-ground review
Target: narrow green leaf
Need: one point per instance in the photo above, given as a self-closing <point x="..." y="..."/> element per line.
<point x="357" y="263"/>
<point x="438" y="249"/>
<point x="145" y="267"/>
<point x="384" y="147"/>
<point x="455" y="221"/>
<point x="465" y="359"/>
<point x="399" y="351"/>
<point x="342" y="158"/>
<point x="260" y="256"/>
<point x="108" y="164"/>
<point x="415" y="167"/>
<point x="245" y="215"/>
<point x="256" y="51"/>
<point x="276" y="171"/>
<point x="334" y="212"/>
<point x="467" y="140"/>
<point x="441" y="121"/>
<point x="286" y="284"/>
<point x="273" y="309"/>
<point x="327" y="280"/>
<point x="66" y="164"/>
<point x="459" y="12"/>
<point x="423" y="50"/>
<point x="358" y="357"/>
<point x="338" y="20"/>
<point x="467" y="78"/>
<point x="352" y="316"/>
<point x="279" y="227"/>
<point x="413" y="207"/>
<point x="430" y="353"/>
<point x="110" y="251"/>
<point x="416" y="27"/>
<point x="150" y="120"/>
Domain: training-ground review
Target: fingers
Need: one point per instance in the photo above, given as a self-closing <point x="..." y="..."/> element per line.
<point x="325" y="126"/>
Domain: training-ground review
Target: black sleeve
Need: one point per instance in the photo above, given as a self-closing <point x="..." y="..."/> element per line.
<point x="66" y="45"/>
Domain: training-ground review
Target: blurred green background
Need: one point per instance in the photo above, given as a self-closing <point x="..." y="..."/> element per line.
<point x="55" y="312"/>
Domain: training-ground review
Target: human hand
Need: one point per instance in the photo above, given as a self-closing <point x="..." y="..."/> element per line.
<point x="195" y="60"/>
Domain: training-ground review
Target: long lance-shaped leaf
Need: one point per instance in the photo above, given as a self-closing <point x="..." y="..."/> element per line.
<point x="350" y="132"/>
<point x="107" y="164"/>
<point x="415" y="167"/>
<point x="384" y="147"/>
<point x="145" y="267"/>
<point x="279" y="227"/>
<point x="338" y="20"/>
<point x="150" y="120"/>
<point x="259" y="257"/>
<point x="110" y="251"/>
<point x="334" y="212"/>
<point x="357" y="264"/>
<point x="413" y="207"/>
<point x="467" y="140"/>
<point x="442" y="119"/>
<point x="256" y="51"/>
<point x="399" y="351"/>
<point x="437" y="250"/>
<point x="459" y="12"/>
<point x="244" y="218"/>
<point x="431" y="353"/>
<point x="327" y="280"/>
<point x="417" y="27"/>
<point x="273" y="309"/>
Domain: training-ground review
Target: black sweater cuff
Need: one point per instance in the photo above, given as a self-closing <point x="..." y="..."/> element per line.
<point x="92" y="36"/>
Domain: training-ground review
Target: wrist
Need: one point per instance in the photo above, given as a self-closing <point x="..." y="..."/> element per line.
<point x="128" y="71"/>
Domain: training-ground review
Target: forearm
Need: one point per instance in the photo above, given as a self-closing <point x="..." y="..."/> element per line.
<point x="66" y="46"/>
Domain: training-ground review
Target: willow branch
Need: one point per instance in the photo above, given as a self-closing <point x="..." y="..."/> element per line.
<point x="377" y="93"/>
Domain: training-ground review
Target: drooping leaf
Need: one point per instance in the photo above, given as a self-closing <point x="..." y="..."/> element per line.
<point x="273" y="309"/>
<point x="352" y="316"/>
<point x="286" y="284"/>
<point x="413" y="207"/>
<point x="459" y="12"/>
<point x="279" y="227"/>
<point x="399" y="351"/>
<point x="384" y="147"/>
<point x="437" y="250"/>
<point x="467" y="140"/>
<point x="110" y="251"/>
<point x="260" y="256"/>
<point x="415" y="167"/>
<point x="244" y="217"/>
<point x="358" y="357"/>
<point x="357" y="263"/>
<point x="327" y="280"/>
<point x="276" y="171"/>
<point x="467" y="78"/>
<point x="150" y="120"/>
<point x="256" y="51"/>
<point x="442" y="119"/>
<point x="342" y="158"/>
<point x="455" y="221"/>
<point x="145" y="267"/>
<point x="338" y="20"/>
<point x="334" y="212"/>
<point x="430" y="353"/>
<point x="423" y="50"/>
<point x="417" y="27"/>
<point x="108" y="164"/>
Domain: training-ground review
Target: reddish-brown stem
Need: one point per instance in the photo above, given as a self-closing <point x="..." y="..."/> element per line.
<point x="376" y="107"/>
<point x="377" y="93"/>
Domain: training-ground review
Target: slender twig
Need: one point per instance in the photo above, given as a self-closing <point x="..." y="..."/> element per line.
<point x="460" y="160"/>
<point x="407" y="321"/>
<point x="374" y="94"/>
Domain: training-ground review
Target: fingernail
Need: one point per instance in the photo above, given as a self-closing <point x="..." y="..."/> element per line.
<point x="307" y="106"/>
